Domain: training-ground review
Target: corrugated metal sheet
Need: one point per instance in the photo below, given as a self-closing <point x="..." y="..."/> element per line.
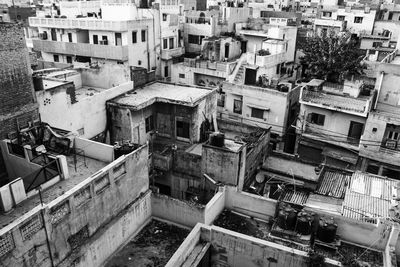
<point x="368" y="197"/>
<point x="333" y="184"/>
<point x="298" y="197"/>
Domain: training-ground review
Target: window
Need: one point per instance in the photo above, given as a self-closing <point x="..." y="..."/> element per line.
<point x="70" y="37"/>
<point x="143" y="35"/>
<point x="134" y="37"/>
<point x="171" y="43"/>
<point x="257" y="113"/>
<point x="376" y="44"/>
<point x="340" y="18"/>
<point x="221" y="100"/>
<point x="181" y="75"/>
<point x="164" y="17"/>
<point x="316" y="118"/>
<point x="95" y="39"/>
<point x="182" y="129"/>
<point x="149" y="123"/>
<point x="237" y="106"/>
<point x="390" y="16"/>
<point x="104" y="38"/>
<point x="194" y="39"/>
<point x="118" y="38"/>
<point x="327" y="14"/>
<point x="358" y="19"/>
<point x="69" y="59"/>
<point x="393" y="135"/>
<point x="56" y="58"/>
<point x="165" y="43"/>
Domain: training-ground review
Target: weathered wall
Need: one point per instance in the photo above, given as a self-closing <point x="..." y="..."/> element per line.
<point x="95" y="150"/>
<point x="187" y="213"/>
<point x="88" y="115"/>
<point x="107" y="76"/>
<point x="81" y="212"/>
<point x="108" y="240"/>
<point x="221" y="164"/>
<point x="16" y="89"/>
<point x="358" y="232"/>
<point x="250" y="204"/>
<point x="255" y="157"/>
<point x="187" y="163"/>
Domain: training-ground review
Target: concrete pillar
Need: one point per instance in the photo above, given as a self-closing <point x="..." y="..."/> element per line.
<point x="62" y="163"/>
<point x="28" y="152"/>
<point x="394" y="235"/>
<point x="6" y="202"/>
<point x="17" y="189"/>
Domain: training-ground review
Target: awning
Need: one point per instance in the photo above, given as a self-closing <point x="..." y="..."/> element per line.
<point x="340" y="154"/>
<point x="258" y="106"/>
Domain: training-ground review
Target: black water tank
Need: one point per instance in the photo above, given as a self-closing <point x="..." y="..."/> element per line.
<point x="327" y="230"/>
<point x="304" y="222"/>
<point x="217" y="139"/>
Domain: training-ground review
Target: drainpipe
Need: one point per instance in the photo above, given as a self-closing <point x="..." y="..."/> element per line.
<point x="379" y="89"/>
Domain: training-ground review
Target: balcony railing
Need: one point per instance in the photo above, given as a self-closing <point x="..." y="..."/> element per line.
<point x="83" y="49"/>
<point x="88" y="23"/>
<point x="223" y="67"/>
<point x="167" y="54"/>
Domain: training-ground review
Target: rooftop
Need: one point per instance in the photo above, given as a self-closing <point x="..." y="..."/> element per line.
<point x="154" y="245"/>
<point x="369" y="197"/>
<point x="337" y="102"/>
<point x="291" y="168"/>
<point x="79" y="168"/>
<point x="333" y="183"/>
<point x="162" y="92"/>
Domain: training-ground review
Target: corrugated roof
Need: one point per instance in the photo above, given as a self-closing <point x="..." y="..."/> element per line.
<point x="333" y="184"/>
<point x="298" y="197"/>
<point x="359" y="105"/>
<point x="368" y="197"/>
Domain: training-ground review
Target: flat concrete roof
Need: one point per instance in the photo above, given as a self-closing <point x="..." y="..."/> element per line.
<point x="291" y="167"/>
<point x="162" y="92"/>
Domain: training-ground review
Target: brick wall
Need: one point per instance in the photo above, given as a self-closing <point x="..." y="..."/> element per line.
<point x="16" y="89"/>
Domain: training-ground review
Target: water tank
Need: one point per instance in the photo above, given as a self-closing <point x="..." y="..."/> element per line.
<point x="304" y="222"/>
<point x="327" y="230"/>
<point x="291" y="218"/>
<point x="217" y="139"/>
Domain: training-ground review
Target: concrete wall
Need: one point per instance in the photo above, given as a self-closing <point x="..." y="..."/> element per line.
<point x="221" y="164"/>
<point x="187" y="163"/>
<point x="16" y="165"/>
<point x="250" y="204"/>
<point x="117" y="233"/>
<point x="95" y="150"/>
<point x="82" y="211"/>
<point x="107" y="76"/>
<point x="392" y="26"/>
<point x="88" y="115"/>
<point x="256" y="156"/>
<point x="187" y="213"/>
<point x="277" y="103"/>
<point x="358" y="232"/>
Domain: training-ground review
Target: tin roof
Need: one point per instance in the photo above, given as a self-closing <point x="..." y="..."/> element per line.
<point x="333" y="183"/>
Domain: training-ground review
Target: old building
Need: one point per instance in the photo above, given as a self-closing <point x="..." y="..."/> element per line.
<point x="216" y="62"/>
<point x="380" y="144"/>
<point x="19" y="108"/>
<point x="332" y="121"/>
<point x="98" y="33"/>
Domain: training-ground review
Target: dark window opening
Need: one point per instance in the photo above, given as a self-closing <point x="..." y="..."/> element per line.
<point x="134" y="37"/>
<point x="95" y="39"/>
<point x="118" y="38"/>
<point x="171" y="43"/>
<point x="56" y="58"/>
<point x="316" y="118"/>
<point x="69" y="59"/>
<point x="257" y="113"/>
<point x="182" y="129"/>
<point x="221" y="100"/>
<point x="70" y="37"/>
<point x="149" y="124"/>
<point x="143" y="35"/>
<point x="237" y="106"/>
<point x="165" y="43"/>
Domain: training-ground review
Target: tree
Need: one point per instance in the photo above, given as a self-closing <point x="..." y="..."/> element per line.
<point x="331" y="56"/>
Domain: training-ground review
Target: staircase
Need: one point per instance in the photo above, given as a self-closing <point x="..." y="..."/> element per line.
<point x="239" y="78"/>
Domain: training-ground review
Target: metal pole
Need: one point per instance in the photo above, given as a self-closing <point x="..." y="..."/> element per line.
<point x="44" y="225"/>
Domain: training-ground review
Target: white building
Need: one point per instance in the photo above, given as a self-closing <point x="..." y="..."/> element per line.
<point x="100" y="33"/>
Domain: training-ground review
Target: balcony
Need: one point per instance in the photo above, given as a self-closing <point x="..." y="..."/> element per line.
<point x="167" y="54"/>
<point x="88" y="24"/>
<point x="267" y="60"/>
<point x="82" y="49"/>
<point x="207" y="67"/>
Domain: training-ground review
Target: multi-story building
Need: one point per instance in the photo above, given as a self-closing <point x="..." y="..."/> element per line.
<point x="332" y="120"/>
<point x="100" y="32"/>
<point x="380" y="144"/>
<point x="217" y="61"/>
<point x="387" y="22"/>
<point x="18" y="106"/>
<point x="359" y="20"/>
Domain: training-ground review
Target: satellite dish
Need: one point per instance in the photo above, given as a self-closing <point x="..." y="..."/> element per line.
<point x="260" y="177"/>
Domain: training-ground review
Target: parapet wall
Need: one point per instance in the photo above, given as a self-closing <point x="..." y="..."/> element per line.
<point x="75" y="220"/>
